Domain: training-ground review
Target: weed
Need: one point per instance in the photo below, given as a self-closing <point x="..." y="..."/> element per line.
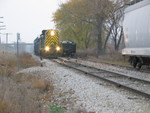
<point x="56" y="109"/>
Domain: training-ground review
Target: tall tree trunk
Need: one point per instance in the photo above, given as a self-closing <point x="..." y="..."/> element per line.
<point x="99" y="42"/>
<point x="119" y="39"/>
<point x="108" y="35"/>
<point x="115" y="37"/>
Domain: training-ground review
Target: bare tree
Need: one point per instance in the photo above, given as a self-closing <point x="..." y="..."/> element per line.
<point x="113" y="25"/>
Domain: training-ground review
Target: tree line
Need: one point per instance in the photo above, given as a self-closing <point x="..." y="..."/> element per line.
<point x="91" y="22"/>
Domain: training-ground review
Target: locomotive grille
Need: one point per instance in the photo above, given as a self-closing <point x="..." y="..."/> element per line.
<point x="52" y="40"/>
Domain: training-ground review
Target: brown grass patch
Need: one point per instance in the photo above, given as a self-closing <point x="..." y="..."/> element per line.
<point x="3" y="106"/>
<point x="43" y="85"/>
<point x="16" y="93"/>
<point x="115" y="59"/>
<point x="8" y="63"/>
<point x="110" y="57"/>
<point x="26" y="61"/>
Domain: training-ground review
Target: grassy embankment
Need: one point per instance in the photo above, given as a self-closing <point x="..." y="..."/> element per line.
<point x="20" y="93"/>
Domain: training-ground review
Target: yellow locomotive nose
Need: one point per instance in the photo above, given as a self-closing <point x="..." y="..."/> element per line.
<point x="47" y="48"/>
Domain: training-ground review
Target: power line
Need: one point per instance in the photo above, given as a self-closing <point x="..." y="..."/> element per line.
<point x="3" y="26"/>
<point x="0" y="21"/>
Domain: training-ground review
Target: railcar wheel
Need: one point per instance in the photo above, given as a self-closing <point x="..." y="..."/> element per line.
<point x="139" y="65"/>
<point x="134" y="62"/>
<point x="131" y="60"/>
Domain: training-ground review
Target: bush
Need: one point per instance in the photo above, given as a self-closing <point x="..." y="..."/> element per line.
<point x="3" y="106"/>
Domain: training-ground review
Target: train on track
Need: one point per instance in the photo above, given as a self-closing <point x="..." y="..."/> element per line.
<point x="48" y="45"/>
<point x="136" y="27"/>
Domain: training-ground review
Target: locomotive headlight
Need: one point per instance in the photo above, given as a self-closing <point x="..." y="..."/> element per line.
<point x="58" y="48"/>
<point x="47" y="48"/>
<point x="52" y="33"/>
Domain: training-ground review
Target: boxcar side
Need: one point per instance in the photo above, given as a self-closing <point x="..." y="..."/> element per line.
<point x="136" y="27"/>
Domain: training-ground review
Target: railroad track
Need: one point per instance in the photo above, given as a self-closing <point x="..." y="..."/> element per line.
<point x="144" y="69"/>
<point x="138" y="85"/>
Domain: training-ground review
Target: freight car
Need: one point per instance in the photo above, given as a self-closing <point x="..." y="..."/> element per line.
<point x="136" y="27"/>
<point x="69" y="48"/>
<point x="37" y="45"/>
<point x="47" y="45"/>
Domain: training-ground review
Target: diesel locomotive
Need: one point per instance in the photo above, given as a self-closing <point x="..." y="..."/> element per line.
<point x="48" y="45"/>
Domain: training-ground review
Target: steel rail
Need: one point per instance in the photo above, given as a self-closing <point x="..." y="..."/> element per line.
<point x="63" y="62"/>
<point x="113" y="72"/>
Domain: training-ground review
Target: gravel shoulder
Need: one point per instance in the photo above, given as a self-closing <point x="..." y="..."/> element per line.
<point x="74" y="91"/>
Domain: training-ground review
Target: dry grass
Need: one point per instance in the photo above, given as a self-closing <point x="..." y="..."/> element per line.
<point x="43" y="85"/>
<point x="8" y="63"/>
<point x="3" y="106"/>
<point x="16" y="94"/>
<point x="111" y="56"/>
<point x="22" y="94"/>
<point x="27" y="61"/>
<point x="115" y="58"/>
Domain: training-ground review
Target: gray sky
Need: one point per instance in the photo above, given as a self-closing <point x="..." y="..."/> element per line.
<point x="28" y="17"/>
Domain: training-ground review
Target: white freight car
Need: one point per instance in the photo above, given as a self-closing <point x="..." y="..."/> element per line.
<point x="136" y="27"/>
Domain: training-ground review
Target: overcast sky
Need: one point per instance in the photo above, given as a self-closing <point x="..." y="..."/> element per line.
<point x="27" y="17"/>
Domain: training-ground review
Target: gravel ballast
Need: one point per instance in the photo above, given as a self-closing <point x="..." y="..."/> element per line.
<point x="90" y="93"/>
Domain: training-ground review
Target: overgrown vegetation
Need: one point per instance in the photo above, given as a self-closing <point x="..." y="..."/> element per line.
<point x="91" y="22"/>
<point x="8" y="63"/>
<point x="17" y="95"/>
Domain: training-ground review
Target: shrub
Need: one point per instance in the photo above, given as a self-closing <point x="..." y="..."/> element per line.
<point x="3" y="106"/>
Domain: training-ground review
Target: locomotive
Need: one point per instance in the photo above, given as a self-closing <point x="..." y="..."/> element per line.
<point x="48" y="45"/>
<point x="136" y="27"/>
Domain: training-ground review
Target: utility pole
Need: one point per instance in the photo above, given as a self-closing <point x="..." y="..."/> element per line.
<point x="7" y="40"/>
<point x="0" y="34"/>
<point x="2" y="27"/>
<point x="6" y="52"/>
<point x="18" y="59"/>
